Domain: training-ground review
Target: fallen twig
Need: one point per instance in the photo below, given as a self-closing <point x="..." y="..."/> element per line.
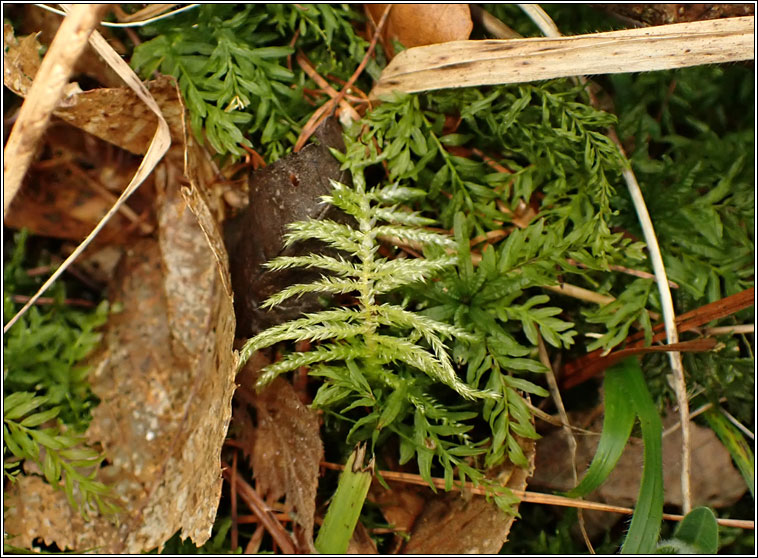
<point x="326" y="108"/>
<point x="533" y="497"/>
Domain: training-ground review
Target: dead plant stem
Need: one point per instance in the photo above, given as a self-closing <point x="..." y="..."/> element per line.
<point x="555" y="393"/>
<point x="679" y="385"/>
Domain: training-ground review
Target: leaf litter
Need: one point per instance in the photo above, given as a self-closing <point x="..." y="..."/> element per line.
<point x="165" y="372"/>
<point x="283" y="447"/>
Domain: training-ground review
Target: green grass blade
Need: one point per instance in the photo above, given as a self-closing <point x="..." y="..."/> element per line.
<point x="735" y="442"/>
<point x="642" y="536"/>
<point x="345" y="508"/>
<point x="617" y="426"/>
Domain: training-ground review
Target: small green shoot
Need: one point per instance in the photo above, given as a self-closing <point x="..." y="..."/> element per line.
<point x="346" y="505"/>
<point x="626" y="395"/>
<point x="697" y="533"/>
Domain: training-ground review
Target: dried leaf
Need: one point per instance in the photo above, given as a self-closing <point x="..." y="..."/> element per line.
<point x="422" y="24"/>
<point x="67" y="193"/>
<point x="31" y="498"/>
<point x="553" y="471"/>
<point x="287" y="451"/>
<point x="401" y="505"/>
<point x="452" y="524"/>
<point x="45" y="24"/>
<point x="43" y="95"/>
<point x="21" y="60"/>
<point x="165" y="378"/>
<point x="120" y="117"/>
<point x="158" y="146"/>
<point x="361" y="542"/>
<point x="116" y="115"/>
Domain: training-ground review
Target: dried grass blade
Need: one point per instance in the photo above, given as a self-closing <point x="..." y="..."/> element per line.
<point x="491" y="62"/>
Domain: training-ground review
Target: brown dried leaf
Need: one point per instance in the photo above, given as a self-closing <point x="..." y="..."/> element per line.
<point x="66" y="193"/>
<point x="287" y="451"/>
<point x="165" y="377"/>
<point x="21" y="60"/>
<point x="29" y="18"/>
<point x="48" y="86"/>
<point x="117" y="115"/>
<point x="400" y="505"/>
<point x="361" y="542"/>
<point x="715" y="481"/>
<point x="158" y="147"/>
<point x="28" y="500"/>
<point x="422" y="24"/>
<point x="455" y="524"/>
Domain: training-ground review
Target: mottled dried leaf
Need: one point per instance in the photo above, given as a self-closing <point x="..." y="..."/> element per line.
<point x="66" y="194"/>
<point x="165" y="378"/>
<point x="21" y="60"/>
<point x="400" y="505"/>
<point x="456" y="524"/>
<point x="361" y="542"/>
<point x="116" y="115"/>
<point x="287" y="451"/>
<point x="28" y="500"/>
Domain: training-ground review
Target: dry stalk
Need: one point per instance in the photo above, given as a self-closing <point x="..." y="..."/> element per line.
<point x="492" y="62"/>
